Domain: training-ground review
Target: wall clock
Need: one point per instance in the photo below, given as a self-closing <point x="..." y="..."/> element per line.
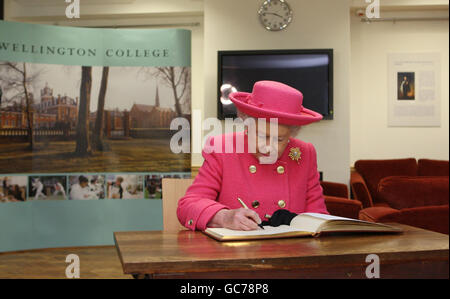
<point x="275" y="15"/>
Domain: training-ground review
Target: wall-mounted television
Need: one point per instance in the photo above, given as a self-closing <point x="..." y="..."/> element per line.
<point x="310" y="71"/>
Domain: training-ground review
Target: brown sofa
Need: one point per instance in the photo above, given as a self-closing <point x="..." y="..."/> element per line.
<point x="338" y="202"/>
<point x="404" y="191"/>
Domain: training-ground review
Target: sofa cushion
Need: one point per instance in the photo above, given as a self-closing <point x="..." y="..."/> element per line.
<point x="427" y="167"/>
<point x="401" y="192"/>
<point x="374" y="170"/>
<point x="433" y="218"/>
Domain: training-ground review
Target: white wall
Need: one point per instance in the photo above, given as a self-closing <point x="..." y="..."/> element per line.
<point x="233" y="25"/>
<point x="371" y="138"/>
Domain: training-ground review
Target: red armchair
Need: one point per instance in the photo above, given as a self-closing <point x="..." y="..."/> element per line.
<point x="368" y="173"/>
<point x="338" y="202"/>
<point x="403" y="191"/>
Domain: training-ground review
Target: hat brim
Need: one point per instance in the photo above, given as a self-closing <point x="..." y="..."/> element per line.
<point x="306" y="116"/>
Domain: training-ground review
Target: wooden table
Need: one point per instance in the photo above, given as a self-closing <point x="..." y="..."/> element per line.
<point x="95" y="262"/>
<point x="416" y="253"/>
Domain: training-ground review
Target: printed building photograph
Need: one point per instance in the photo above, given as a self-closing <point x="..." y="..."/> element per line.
<point x="91" y="119"/>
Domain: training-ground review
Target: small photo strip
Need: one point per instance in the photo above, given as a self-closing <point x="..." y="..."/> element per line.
<point x="153" y="183"/>
<point x="87" y="187"/>
<point x="13" y="188"/>
<point x="124" y="186"/>
<point x="47" y="187"/>
<point x="20" y="188"/>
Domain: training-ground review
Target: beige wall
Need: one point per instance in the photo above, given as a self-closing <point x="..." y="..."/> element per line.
<point x="371" y="138"/>
<point x="95" y="10"/>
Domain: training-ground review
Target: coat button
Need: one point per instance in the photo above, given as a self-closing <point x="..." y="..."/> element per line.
<point x="281" y="203"/>
<point x="190" y="222"/>
<point x="280" y="169"/>
<point x="255" y="204"/>
<point x="252" y="169"/>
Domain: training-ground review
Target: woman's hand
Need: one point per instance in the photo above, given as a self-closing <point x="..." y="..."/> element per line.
<point x="239" y="219"/>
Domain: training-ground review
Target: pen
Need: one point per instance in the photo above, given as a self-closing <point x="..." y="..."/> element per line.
<point x="245" y="207"/>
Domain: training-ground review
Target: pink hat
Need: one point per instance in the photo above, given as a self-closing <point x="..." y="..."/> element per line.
<point x="270" y="99"/>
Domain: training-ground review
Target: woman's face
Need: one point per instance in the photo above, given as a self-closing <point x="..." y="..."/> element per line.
<point x="267" y="144"/>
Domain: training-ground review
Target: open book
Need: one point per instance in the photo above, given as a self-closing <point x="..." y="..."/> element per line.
<point x="306" y="224"/>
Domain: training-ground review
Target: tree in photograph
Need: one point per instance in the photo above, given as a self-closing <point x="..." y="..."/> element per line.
<point x="16" y="82"/>
<point x="186" y="101"/>
<point x="178" y="79"/>
<point x="83" y="147"/>
<point x="98" y="128"/>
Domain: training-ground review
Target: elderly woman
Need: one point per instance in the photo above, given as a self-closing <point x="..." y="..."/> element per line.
<point x="290" y="182"/>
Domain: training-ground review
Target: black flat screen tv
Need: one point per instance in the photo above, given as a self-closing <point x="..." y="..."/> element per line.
<point x="310" y="71"/>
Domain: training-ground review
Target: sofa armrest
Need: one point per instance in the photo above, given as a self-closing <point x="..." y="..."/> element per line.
<point x="379" y="214"/>
<point x="360" y="190"/>
<point x="433" y="218"/>
<point x="343" y="207"/>
<point x="334" y="189"/>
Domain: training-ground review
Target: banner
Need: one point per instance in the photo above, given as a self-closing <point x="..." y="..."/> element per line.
<point x="85" y="131"/>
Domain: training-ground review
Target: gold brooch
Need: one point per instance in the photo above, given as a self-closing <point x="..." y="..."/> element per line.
<point x="295" y="154"/>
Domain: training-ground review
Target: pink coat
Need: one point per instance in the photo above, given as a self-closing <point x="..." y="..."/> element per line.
<point x="224" y="177"/>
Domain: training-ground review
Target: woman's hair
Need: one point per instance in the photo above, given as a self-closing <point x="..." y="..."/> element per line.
<point x="294" y="129"/>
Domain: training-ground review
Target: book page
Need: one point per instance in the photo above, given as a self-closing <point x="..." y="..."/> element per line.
<point x="309" y="224"/>
<point x="333" y="218"/>
<point x="268" y="230"/>
<point x="323" y="222"/>
<point x="326" y="217"/>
